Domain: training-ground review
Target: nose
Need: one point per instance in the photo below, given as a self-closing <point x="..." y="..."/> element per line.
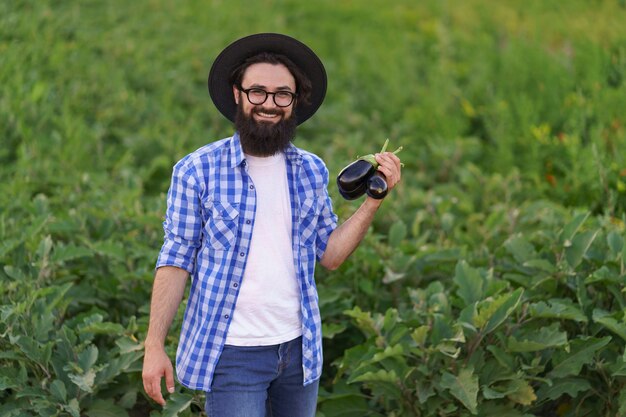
<point x="270" y="100"/>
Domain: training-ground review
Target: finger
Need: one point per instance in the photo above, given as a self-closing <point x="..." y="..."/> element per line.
<point x="169" y="379"/>
<point x="392" y="158"/>
<point x="389" y="160"/>
<point x="390" y="175"/>
<point x="152" y="386"/>
<point x="156" y="393"/>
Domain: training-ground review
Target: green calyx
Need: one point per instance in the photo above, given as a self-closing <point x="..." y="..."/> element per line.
<point x="372" y="159"/>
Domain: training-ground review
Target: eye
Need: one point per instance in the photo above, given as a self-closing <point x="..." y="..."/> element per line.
<point x="283" y="95"/>
<point x="256" y="92"/>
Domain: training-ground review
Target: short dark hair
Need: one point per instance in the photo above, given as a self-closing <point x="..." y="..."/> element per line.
<point x="303" y="84"/>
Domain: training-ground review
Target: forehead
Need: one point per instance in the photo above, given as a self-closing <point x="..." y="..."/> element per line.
<point x="268" y="75"/>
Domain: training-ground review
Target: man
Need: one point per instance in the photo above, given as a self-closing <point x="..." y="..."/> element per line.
<point x="247" y="217"/>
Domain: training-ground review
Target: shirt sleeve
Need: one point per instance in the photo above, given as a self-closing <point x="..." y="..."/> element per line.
<point x="327" y="221"/>
<point x="183" y="222"/>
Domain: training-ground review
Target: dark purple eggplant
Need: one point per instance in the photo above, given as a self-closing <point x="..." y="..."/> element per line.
<point x="352" y="181"/>
<point x="355" y="175"/>
<point x="354" y="194"/>
<point x="377" y="186"/>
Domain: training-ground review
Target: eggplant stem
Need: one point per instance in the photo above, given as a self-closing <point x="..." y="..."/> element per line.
<point x="372" y="159"/>
<point x="385" y="146"/>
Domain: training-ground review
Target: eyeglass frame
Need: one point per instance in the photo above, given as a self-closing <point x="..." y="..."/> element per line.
<point x="267" y="94"/>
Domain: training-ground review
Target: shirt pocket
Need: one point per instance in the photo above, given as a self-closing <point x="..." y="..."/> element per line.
<point x="309" y="213"/>
<point x="222" y="224"/>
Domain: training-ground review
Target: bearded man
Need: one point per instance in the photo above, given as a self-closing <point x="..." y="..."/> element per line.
<point x="248" y="217"/>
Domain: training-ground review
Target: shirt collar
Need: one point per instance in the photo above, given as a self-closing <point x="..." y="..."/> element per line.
<point x="292" y="153"/>
<point x="236" y="153"/>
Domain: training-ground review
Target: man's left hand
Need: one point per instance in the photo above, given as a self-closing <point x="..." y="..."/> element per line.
<point x="389" y="165"/>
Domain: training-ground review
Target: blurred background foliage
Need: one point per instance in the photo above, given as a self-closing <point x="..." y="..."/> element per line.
<point x="512" y="119"/>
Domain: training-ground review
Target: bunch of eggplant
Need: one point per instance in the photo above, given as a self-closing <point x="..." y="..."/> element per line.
<point x="362" y="177"/>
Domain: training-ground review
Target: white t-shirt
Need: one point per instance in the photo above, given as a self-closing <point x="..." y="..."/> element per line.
<point x="267" y="311"/>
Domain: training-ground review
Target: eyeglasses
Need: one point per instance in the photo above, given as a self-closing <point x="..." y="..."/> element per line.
<point x="258" y="96"/>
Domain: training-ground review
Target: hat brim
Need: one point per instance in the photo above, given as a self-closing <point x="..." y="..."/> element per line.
<point x="221" y="91"/>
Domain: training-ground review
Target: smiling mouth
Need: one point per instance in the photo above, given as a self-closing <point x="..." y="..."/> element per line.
<point x="264" y="115"/>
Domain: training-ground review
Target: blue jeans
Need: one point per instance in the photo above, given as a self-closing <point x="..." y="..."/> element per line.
<point x="261" y="381"/>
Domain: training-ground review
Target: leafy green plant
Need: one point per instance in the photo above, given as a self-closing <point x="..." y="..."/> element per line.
<point x="541" y="329"/>
<point x="492" y="281"/>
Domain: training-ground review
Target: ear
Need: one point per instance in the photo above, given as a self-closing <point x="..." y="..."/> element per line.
<point x="236" y="94"/>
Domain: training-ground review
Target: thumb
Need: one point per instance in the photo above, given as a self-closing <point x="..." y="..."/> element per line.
<point x="169" y="379"/>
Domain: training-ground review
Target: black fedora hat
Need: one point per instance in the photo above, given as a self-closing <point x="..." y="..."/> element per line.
<point x="234" y="54"/>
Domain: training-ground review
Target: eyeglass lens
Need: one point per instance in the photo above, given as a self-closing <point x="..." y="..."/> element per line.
<point x="258" y="96"/>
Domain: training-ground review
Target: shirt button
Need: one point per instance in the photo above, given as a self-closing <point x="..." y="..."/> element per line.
<point x="226" y="316"/>
<point x="248" y="221"/>
<point x="235" y="285"/>
<point x="241" y="253"/>
<point x="252" y="187"/>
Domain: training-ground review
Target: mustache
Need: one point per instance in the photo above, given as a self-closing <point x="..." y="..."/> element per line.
<point x="275" y="111"/>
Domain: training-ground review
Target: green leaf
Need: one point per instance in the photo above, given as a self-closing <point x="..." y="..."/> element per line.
<point x="498" y="310"/>
<point x="128" y="400"/>
<point x="449" y="349"/>
<point x="389" y="352"/>
<point x="58" y="391"/>
<point x="116" y="366"/>
<point x="621" y="412"/>
<point x="379" y="376"/>
<point x="83" y="381"/>
<point x="557" y="308"/>
<point x="103" y="328"/>
<point x="580" y="244"/>
<point x="59" y="295"/>
<point x="72" y="407"/>
<point x="570" y="230"/>
<point x="534" y="340"/>
<point x="582" y="352"/>
<point x="70" y="252"/>
<point x="419" y="335"/>
<point x="604" y="275"/>
<point x="541" y="265"/>
<point x="559" y="387"/>
<point x="392" y="276"/>
<point x="504" y="358"/>
<point x="363" y="320"/>
<point x="615" y="241"/>
<point x="521" y="392"/>
<point x="345" y="401"/>
<point x="15" y="273"/>
<point x="35" y="351"/>
<point x="88" y="357"/>
<point x="493" y="393"/>
<point x="126" y="345"/>
<point x="520" y="248"/>
<point x="397" y="233"/>
<point x="7" y="245"/>
<point x="469" y="282"/>
<point x="604" y="318"/>
<point x="463" y="387"/>
<point x="109" y="248"/>
<point x="330" y="330"/>
<point x="105" y="408"/>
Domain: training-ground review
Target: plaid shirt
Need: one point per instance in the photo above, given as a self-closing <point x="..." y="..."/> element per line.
<point x="211" y="207"/>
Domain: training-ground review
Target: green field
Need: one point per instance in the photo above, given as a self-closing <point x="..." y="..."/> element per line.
<point x="493" y="280"/>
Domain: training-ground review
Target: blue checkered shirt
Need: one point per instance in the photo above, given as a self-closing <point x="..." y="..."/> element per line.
<point x="211" y="207"/>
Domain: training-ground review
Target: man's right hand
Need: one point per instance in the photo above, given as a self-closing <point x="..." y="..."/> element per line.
<point x="156" y="364"/>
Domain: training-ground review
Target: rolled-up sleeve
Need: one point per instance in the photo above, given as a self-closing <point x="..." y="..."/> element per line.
<point x="183" y="221"/>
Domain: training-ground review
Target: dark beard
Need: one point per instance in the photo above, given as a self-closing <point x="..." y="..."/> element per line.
<point x="264" y="138"/>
